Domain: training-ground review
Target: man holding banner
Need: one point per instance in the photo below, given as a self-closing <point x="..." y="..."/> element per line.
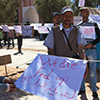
<point x="56" y="40"/>
<point x="90" y="48"/>
<point x="5" y="31"/>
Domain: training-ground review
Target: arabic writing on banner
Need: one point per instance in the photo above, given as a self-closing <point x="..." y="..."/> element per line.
<point x="53" y="77"/>
<point x="27" y="31"/>
<point x="42" y="29"/>
<point x="77" y="19"/>
<point x="88" y="31"/>
<point x="5" y="28"/>
<point x="49" y="25"/>
<point x="81" y="3"/>
<point x="18" y="29"/>
<point x="96" y="19"/>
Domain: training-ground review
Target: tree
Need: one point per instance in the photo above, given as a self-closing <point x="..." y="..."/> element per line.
<point x="88" y="3"/>
<point x="8" y="10"/>
<point x="46" y="8"/>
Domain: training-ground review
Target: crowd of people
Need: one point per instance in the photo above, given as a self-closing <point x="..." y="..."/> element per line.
<point x="66" y="39"/>
<point x="7" y="39"/>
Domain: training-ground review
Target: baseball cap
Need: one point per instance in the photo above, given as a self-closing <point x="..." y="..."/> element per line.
<point x="56" y="13"/>
<point x="65" y="9"/>
<point x="83" y="8"/>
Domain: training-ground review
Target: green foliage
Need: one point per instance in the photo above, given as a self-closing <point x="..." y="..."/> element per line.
<point x="46" y="8"/>
<point x="8" y="10"/>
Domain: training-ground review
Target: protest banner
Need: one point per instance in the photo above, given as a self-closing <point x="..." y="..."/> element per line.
<point x="49" y="25"/>
<point x="18" y="29"/>
<point x="53" y="77"/>
<point x="81" y="3"/>
<point x="42" y="30"/>
<point x="77" y="19"/>
<point x="27" y="31"/>
<point x="95" y="18"/>
<point x="1" y="36"/>
<point x="5" y="28"/>
<point x="88" y="31"/>
<point x="36" y="25"/>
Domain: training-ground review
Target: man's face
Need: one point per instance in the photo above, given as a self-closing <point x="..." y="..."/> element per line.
<point x="67" y="18"/>
<point x="57" y="19"/>
<point x="85" y="14"/>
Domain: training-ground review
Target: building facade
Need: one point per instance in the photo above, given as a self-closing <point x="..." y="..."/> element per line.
<point x="27" y="12"/>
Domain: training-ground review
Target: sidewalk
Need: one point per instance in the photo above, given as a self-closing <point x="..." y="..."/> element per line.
<point x="30" y="48"/>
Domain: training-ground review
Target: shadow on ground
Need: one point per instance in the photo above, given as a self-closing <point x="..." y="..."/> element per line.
<point x="15" y="95"/>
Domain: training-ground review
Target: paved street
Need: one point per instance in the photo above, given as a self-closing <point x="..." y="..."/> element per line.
<point x="30" y="48"/>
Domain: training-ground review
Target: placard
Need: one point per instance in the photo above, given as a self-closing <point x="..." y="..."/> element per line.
<point x="77" y="19"/>
<point x="88" y="32"/>
<point x="49" y="25"/>
<point x="5" y="28"/>
<point x="6" y="59"/>
<point x="53" y="77"/>
<point x="42" y="30"/>
<point x="18" y="29"/>
<point x="36" y="25"/>
<point x="27" y="31"/>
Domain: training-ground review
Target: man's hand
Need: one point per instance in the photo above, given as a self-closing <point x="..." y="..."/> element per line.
<point x="88" y="46"/>
<point x="80" y="50"/>
<point x="12" y="87"/>
<point x="50" y="51"/>
<point x="8" y="80"/>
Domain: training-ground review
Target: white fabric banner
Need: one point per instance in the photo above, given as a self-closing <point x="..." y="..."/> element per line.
<point x="49" y="26"/>
<point x="18" y="29"/>
<point x="53" y="77"/>
<point x="77" y="19"/>
<point x="5" y="28"/>
<point x="81" y="3"/>
<point x="36" y="25"/>
<point x="27" y="31"/>
<point x="88" y="32"/>
<point x="96" y="19"/>
<point x="42" y="29"/>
